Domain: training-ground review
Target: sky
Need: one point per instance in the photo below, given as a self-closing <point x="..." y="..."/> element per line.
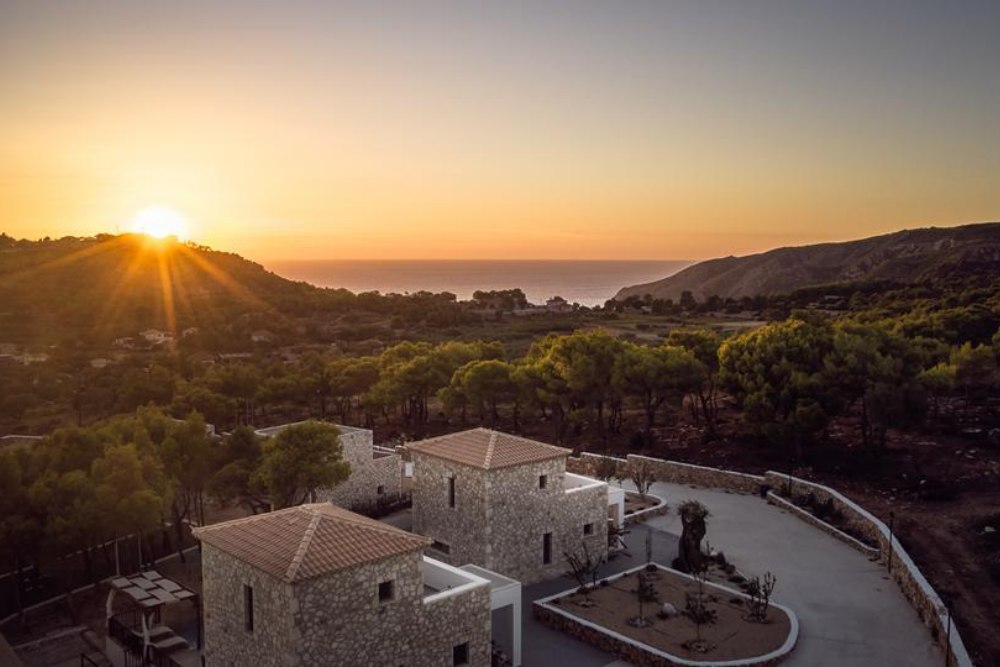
<point x="530" y="130"/>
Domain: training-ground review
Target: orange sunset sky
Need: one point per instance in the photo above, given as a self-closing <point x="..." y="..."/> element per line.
<point x="505" y="130"/>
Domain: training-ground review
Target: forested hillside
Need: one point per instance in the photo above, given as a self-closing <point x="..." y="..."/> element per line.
<point x="905" y="257"/>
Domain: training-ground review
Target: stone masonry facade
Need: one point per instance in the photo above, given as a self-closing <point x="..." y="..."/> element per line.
<point x="338" y="619"/>
<point x="373" y="474"/>
<point x="501" y="516"/>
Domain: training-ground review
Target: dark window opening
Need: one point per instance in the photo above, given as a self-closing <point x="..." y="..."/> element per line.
<point x="380" y="490"/>
<point x="247" y="608"/>
<point x="543" y="481"/>
<point x="460" y="654"/>
<point x="451" y="492"/>
<point x="441" y="546"/>
<point x="588" y="529"/>
<point x="385" y="591"/>
<point x="547" y="548"/>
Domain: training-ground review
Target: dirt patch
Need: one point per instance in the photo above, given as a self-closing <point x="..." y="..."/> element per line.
<point x="731" y="636"/>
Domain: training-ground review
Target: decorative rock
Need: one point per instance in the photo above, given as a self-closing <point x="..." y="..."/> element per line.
<point x="668" y="610"/>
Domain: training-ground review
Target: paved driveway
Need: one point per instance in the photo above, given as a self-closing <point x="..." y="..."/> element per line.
<point x="850" y="613"/>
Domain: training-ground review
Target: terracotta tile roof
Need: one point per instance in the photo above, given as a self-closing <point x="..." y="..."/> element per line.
<point x="486" y="449"/>
<point x="307" y="541"/>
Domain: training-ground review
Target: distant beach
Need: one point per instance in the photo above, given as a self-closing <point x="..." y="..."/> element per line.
<point x="589" y="283"/>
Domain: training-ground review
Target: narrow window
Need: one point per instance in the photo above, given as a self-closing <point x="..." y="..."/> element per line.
<point x="451" y="492"/>
<point x="385" y="591"/>
<point x="380" y="490"/>
<point x="247" y="608"/>
<point x="588" y="529"/>
<point x="547" y="548"/>
<point x="441" y="546"/>
<point x="543" y="481"/>
<point x="460" y="654"/>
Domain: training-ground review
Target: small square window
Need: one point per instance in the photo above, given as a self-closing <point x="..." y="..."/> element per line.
<point x="385" y="591"/>
<point x="588" y="529"/>
<point x="460" y="654"/>
<point x="380" y="490"/>
<point x="543" y="481"/>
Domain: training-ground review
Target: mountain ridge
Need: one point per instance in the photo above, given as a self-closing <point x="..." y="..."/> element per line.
<point x="906" y="256"/>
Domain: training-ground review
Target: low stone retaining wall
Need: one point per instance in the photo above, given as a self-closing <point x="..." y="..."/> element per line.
<point x="833" y="531"/>
<point x="672" y="472"/>
<point x="905" y="572"/>
<point x="648" y="513"/>
<point x="643" y="655"/>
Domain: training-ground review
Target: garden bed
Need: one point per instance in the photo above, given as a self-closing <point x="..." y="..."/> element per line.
<point x="733" y="638"/>
<point x="639" y="509"/>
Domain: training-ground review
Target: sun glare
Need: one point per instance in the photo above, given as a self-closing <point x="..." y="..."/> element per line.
<point x="159" y="222"/>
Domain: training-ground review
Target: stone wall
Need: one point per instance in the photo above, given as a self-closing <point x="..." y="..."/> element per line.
<point x="340" y="621"/>
<point x="519" y="514"/>
<point x="227" y="642"/>
<point x="804" y="514"/>
<point x="463" y="527"/>
<point x="501" y="516"/>
<point x="905" y="572"/>
<point x="368" y="473"/>
<point x="673" y="472"/>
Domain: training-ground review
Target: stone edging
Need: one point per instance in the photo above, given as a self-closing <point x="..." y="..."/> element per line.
<point x="659" y="509"/>
<point x="644" y="655"/>
<point x="833" y="531"/>
<point x="905" y="573"/>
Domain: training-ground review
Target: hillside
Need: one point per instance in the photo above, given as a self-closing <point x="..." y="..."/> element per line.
<point x="109" y="286"/>
<point x="903" y="257"/>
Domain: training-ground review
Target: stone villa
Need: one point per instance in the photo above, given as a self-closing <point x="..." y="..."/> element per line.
<point x="505" y="503"/>
<point x="319" y="585"/>
<point x="375" y="472"/>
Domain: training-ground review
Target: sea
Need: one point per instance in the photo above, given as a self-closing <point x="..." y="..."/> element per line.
<point x="587" y="282"/>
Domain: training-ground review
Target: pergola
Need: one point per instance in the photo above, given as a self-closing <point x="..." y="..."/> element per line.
<point x="149" y="592"/>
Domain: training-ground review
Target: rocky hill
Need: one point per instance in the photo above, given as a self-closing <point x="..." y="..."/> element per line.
<point x="908" y="256"/>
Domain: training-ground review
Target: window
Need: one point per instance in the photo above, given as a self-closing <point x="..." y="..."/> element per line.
<point x="247" y="608"/>
<point x="451" y="492"/>
<point x="441" y="546"/>
<point x="543" y="481"/>
<point x="460" y="654"/>
<point x="385" y="591"/>
<point x="380" y="490"/>
<point x="588" y="529"/>
<point x="546" y="548"/>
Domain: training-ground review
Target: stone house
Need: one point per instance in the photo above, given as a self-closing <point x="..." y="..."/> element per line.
<point x="375" y="472"/>
<point x="319" y="585"/>
<point x="505" y="503"/>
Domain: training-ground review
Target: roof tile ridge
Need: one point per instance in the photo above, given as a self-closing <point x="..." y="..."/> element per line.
<point x="300" y="553"/>
<point x="344" y="516"/>
<point x="490" y="448"/>
<point x="212" y="527"/>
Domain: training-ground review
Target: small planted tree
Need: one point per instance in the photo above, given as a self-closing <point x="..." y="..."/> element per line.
<point x="644" y="592"/>
<point x="583" y="569"/>
<point x="690" y="557"/>
<point x="699" y="613"/>
<point x="760" y="591"/>
<point x="642" y="476"/>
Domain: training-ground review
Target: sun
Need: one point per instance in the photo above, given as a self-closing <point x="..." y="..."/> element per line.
<point x="159" y="222"/>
